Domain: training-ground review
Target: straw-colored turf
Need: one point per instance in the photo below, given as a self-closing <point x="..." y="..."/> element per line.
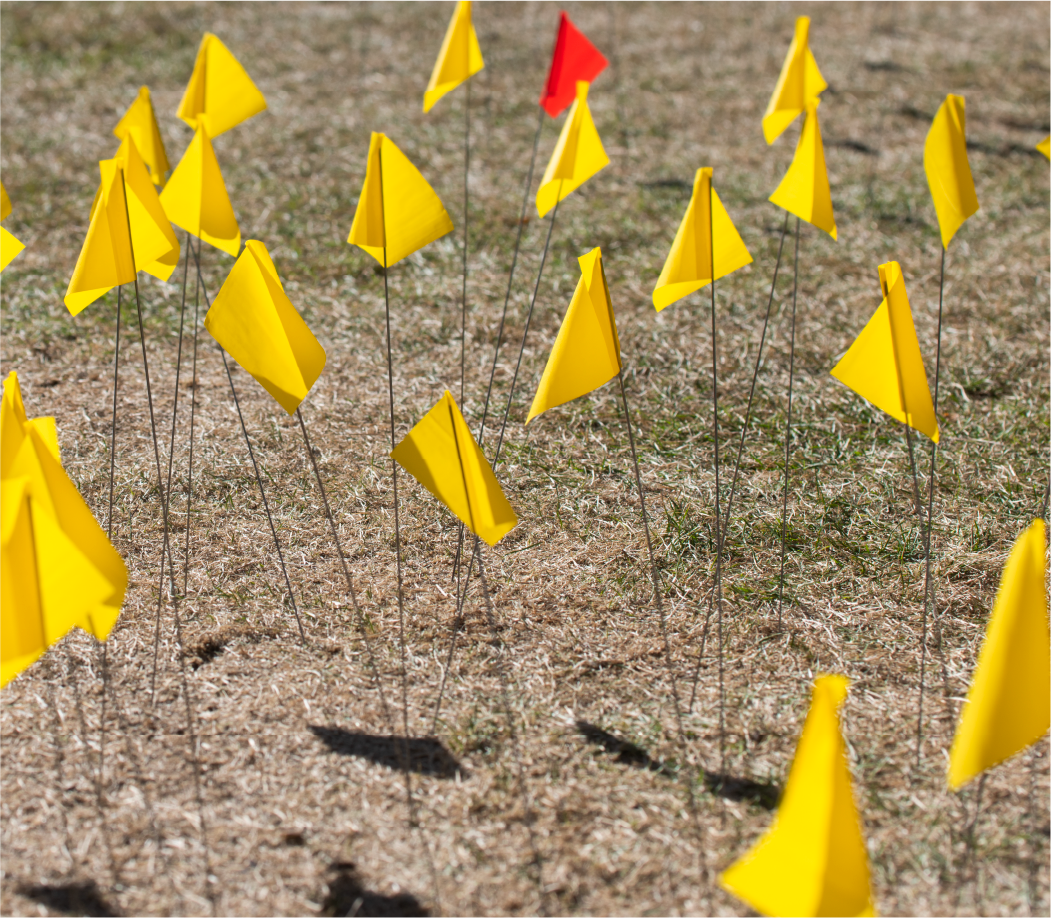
<point x="299" y="776"/>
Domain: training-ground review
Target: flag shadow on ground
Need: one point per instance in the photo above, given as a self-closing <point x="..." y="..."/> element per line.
<point x="77" y="898"/>
<point x="424" y="755"/>
<point x="347" y="896"/>
<point x="761" y="794"/>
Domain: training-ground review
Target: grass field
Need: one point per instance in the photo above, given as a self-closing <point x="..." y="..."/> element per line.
<point x="583" y="808"/>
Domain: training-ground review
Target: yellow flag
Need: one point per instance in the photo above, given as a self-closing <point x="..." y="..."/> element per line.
<point x="459" y="59"/>
<point x="812" y="860"/>
<point x="586" y="354"/>
<point x="884" y="365"/>
<point x="799" y="83"/>
<point x="578" y="155"/>
<point x="140" y="123"/>
<point x="5" y="203"/>
<point x="10" y="247"/>
<point x="1045" y="146"/>
<point x="804" y="189"/>
<point x="196" y="199"/>
<point x="220" y="94"/>
<point x="948" y="172"/>
<point x="257" y="325"/>
<point x="1008" y="706"/>
<point x="706" y="230"/>
<point x="442" y="455"/>
<point x="397" y="208"/>
<point x="105" y="259"/>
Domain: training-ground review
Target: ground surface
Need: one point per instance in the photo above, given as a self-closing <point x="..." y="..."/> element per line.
<point x="301" y="773"/>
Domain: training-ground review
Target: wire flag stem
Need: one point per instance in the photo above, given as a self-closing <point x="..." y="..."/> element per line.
<point x="193" y="413"/>
<point x="113" y="429"/>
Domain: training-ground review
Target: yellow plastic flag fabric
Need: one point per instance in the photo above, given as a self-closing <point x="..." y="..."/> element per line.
<point x="884" y="364"/>
<point x="706" y="230"/>
<point x="256" y="324"/>
<point x="105" y="259"/>
<point x="140" y="123"/>
<point x="57" y="568"/>
<point x="578" y="155"/>
<point x="1045" y="146"/>
<point x="459" y="59"/>
<point x="442" y="455"/>
<point x="799" y="83"/>
<point x="196" y="199"/>
<point x="947" y="168"/>
<point x="804" y="190"/>
<point x="10" y="247"/>
<point x="220" y="94"/>
<point x="5" y="203"/>
<point x="1008" y="706"/>
<point x="586" y="354"/>
<point x="397" y="208"/>
<point x="812" y="860"/>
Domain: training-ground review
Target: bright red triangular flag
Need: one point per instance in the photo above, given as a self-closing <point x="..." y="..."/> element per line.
<point x="575" y="59"/>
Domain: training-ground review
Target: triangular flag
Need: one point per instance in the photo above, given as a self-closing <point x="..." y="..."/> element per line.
<point x="9" y="246"/>
<point x="586" y="354"/>
<point x="703" y="228"/>
<point x="804" y="190"/>
<point x="1008" y="706"/>
<point x="948" y="172"/>
<point x="884" y="364"/>
<point x="257" y="325"/>
<point x="578" y="155"/>
<point x="575" y="59"/>
<point x="442" y="455"/>
<point x="397" y="208"/>
<point x="459" y="59"/>
<point x="140" y="123"/>
<point x="800" y="82"/>
<point x="812" y="860"/>
<point x="196" y="199"/>
<point x="1045" y="146"/>
<point x="105" y="259"/>
<point x="220" y="93"/>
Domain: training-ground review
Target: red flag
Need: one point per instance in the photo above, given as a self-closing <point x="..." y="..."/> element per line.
<point x="575" y="58"/>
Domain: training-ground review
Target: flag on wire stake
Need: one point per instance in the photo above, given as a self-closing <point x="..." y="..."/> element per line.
<point x="577" y="156"/>
<point x="220" y="94"/>
<point x="1045" y="146"/>
<point x="459" y="59"/>
<point x="799" y="84"/>
<point x="10" y="247"/>
<point x="140" y="123"/>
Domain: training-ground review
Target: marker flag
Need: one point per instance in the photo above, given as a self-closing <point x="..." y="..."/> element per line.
<point x="196" y="198"/>
<point x="10" y="247"/>
<point x="586" y="354"/>
<point x="397" y="208"/>
<point x="442" y="455"/>
<point x="459" y="59"/>
<point x="804" y="190"/>
<point x="575" y="59"/>
<point x="948" y="172"/>
<point x="705" y="227"/>
<point x="1008" y="705"/>
<point x="140" y="123"/>
<point x="1045" y="146"/>
<point x="884" y="365"/>
<point x="578" y="155"/>
<point x="812" y="860"/>
<point x="256" y="324"/>
<point x="220" y="94"/>
<point x="57" y="568"/>
<point x="800" y="82"/>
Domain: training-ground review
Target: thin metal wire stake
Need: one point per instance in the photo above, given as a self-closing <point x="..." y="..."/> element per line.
<point x="928" y="583"/>
<point x="788" y="430"/>
<point x="463" y="302"/>
<point x="193" y="413"/>
<point x="346" y="572"/>
<point x="915" y="480"/>
<point x="113" y="430"/>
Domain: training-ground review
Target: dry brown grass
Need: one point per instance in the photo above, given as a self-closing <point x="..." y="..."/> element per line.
<point x="290" y="801"/>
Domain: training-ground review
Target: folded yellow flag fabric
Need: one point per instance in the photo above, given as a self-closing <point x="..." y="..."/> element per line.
<point x="256" y="324"/>
<point x="947" y="168"/>
<point x="397" y="211"/>
<point x="10" y="247"/>
<point x="705" y="230"/>
<point x="586" y="354"/>
<point x="578" y="155"/>
<point x="884" y="364"/>
<point x="140" y="123"/>
<point x="812" y="860"/>
<point x="1009" y="705"/>
<point x="5" y="203"/>
<point x="800" y="82"/>
<point x="57" y="568"/>
<point x="105" y="259"/>
<point x="1045" y="146"/>
<point x="220" y="94"/>
<point x="442" y="455"/>
<point x="196" y="199"/>
<point x="804" y="190"/>
<point x="459" y="59"/>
